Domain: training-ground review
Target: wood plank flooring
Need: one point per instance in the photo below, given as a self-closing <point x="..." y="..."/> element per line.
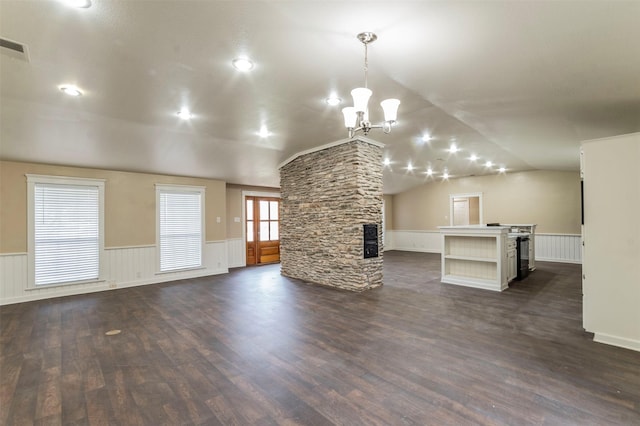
<point x="255" y="348"/>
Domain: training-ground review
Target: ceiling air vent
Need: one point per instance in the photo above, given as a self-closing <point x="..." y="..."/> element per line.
<point x="14" y="49"/>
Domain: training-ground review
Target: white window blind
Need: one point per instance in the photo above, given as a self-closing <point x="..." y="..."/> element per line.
<point x="180" y="228"/>
<point x="66" y="233"/>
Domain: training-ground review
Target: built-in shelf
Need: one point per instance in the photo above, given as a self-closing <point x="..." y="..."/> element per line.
<point x="472" y="258"/>
<point x="469" y="282"/>
<point x="475" y="256"/>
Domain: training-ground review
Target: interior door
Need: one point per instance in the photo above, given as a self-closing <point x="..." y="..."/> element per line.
<point x="460" y="211"/>
<point x="262" y="230"/>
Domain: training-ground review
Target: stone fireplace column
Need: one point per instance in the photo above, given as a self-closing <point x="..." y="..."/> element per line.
<point x="328" y="195"/>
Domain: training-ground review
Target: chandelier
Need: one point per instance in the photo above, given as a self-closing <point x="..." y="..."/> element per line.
<point x="356" y="118"/>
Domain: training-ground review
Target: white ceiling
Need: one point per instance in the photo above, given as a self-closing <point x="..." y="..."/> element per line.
<point x="518" y="83"/>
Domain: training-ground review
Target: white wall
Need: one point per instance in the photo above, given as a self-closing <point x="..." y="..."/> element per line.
<point x="611" y="266"/>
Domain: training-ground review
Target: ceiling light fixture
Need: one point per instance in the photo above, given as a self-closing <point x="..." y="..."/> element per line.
<point x="429" y="171"/>
<point x="445" y="175"/>
<point x="264" y="132"/>
<point x="488" y="164"/>
<point x="410" y="167"/>
<point x="473" y="157"/>
<point x="453" y="148"/>
<point x="333" y="100"/>
<point x="356" y="117"/>
<point x="386" y="161"/>
<point x="71" y="90"/>
<point x="242" y="64"/>
<point x="502" y="169"/>
<point x="426" y="138"/>
<point x="184" y="114"/>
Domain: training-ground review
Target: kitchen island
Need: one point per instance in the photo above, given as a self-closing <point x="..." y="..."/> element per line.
<point x="476" y="256"/>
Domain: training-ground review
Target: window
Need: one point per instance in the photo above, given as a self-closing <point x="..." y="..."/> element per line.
<point x="269" y="225"/>
<point x="65" y="231"/>
<point x="180" y="227"/>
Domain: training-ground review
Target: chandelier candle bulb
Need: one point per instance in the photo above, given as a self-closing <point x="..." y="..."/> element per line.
<point x="390" y="108"/>
<point x="350" y="117"/>
<point x="361" y="97"/>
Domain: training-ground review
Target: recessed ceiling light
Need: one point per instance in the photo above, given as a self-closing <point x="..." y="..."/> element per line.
<point x="502" y="169"/>
<point x="185" y="114"/>
<point x="242" y="64"/>
<point x="488" y="164"/>
<point x="386" y="161"/>
<point x="410" y="167"/>
<point x="473" y="157"/>
<point x="429" y="171"/>
<point x="333" y="100"/>
<point x="83" y="4"/>
<point x="264" y="132"/>
<point x="445" y="175"/>
<point x="70" y="90"/>
<point x="426" y="138"/>
<point x="453" y="148"/>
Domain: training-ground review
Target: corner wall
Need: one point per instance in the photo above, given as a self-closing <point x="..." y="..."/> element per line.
<point x="327" y="197"/>
<point x="611" y="267"/>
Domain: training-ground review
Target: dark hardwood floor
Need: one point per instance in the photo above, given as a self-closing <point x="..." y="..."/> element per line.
<point x="255" y="348"/>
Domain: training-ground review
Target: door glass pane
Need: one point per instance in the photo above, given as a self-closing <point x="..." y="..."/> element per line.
<point x="274" y="230"/>
<point x="264" y="210"/>
<point x="249" y="209"/>
<point x="264" y="230"/>
<point x="273" y="210"/>
<point x="250" y="231"/>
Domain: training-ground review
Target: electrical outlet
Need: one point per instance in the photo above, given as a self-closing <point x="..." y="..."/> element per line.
<point x="112" y="284"/>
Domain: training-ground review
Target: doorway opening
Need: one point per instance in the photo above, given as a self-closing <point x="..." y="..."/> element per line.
<point x="262" y="230"/>
<point x="465" y="209"/>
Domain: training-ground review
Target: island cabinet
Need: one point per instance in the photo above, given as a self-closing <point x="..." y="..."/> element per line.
<point x="526" y="229"/>
<point x="475" y="256"/>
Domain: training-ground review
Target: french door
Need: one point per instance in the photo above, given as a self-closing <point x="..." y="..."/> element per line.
<point x="262" y="227"/>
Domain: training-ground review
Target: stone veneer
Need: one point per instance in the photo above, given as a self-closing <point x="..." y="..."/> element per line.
<point x="327" y="197"/>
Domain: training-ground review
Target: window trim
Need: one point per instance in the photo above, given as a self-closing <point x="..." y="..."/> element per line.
<point x="32" y="180"/>
<point x="184" y="189"/>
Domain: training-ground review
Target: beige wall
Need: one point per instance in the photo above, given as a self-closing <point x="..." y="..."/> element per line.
<point x="550" y="199"/>
<point x="130" y="212"/>
<point x="234" y="206"/>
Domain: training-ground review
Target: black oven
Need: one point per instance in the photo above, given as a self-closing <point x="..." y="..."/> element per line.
<point x="522" y="247"/>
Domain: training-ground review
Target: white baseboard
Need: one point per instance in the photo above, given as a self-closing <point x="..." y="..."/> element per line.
<point x="622" y="342"/>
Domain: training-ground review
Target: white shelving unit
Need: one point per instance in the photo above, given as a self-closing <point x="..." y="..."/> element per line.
<point x="475" y="256"/>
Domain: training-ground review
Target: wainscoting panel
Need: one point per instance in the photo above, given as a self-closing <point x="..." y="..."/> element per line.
<point x="123" y="267"/>
<point x="549" y="247"/>
<point x="13" y="274"/>
<point x="564" y="248"/>
<point x="235" y="252"/>
<point x="423" y="241"/>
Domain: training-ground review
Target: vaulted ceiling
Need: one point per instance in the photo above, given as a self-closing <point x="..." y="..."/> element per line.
<point x="517" y="83"/>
